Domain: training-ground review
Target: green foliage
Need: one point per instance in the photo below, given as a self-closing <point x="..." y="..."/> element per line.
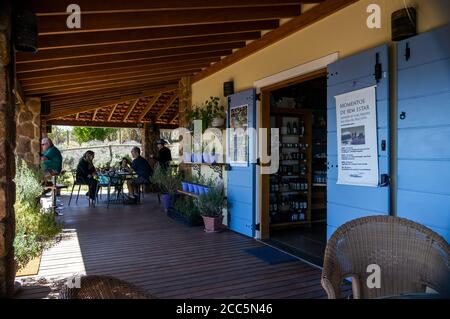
<point x="35" y="228"/>
<point x="168" y="180"/>
<point x="28" y="183"/>
<point x="186" y="207"/>
<point x="206" y="112"/>
<point x="86" y="134"/>
<point x="211" y="203"/>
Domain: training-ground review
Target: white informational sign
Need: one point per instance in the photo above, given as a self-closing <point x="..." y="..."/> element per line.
<point x="356" y="115"/>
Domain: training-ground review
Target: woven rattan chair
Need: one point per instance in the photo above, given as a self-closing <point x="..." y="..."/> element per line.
<point x="411" y="258"/>
<point x="103" y="287"/>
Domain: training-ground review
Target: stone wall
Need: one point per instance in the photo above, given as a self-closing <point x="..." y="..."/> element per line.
<point x="29" y="131"/>
<point x="7" y="160"/>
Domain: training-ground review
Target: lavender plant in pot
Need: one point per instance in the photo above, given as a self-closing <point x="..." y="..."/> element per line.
<point x="168" y="180"/>
<point x="210" y="206"/>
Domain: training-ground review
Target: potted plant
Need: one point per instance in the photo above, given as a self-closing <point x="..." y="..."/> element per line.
<point x="216" y="110"/>
<point x="168" y="181"/>
<point x="210" y="206"/>
<point x="185" y="210"/>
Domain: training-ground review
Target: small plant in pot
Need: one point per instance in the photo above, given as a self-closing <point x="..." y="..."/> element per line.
<point x="217" y="111"/>
<point x="168" y="180"/>
<point x="210" y="206"/>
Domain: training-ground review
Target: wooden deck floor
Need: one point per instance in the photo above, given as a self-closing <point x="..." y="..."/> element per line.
<point x="140" y="244"/>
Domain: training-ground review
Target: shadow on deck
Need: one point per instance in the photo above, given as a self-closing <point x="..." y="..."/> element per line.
<point x="140" y="244"/>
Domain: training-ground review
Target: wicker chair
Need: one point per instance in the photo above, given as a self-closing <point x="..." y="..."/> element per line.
<point x="103" y="287"/>
<point x="411" y="257"/>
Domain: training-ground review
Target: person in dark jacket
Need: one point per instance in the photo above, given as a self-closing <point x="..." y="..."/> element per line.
<point x="143" y="171"/>
<point x="164" y="156"/>
<point x="86" y="174"/>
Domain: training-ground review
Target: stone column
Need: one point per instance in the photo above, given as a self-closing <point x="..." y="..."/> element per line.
<point x="29" y="131"/>
<point x="185" y="105"/>
<point x="7" y="161"/>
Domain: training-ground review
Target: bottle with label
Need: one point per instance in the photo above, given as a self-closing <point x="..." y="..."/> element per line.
<point x="302" y="128"/>
<point x="289" y="128"/>
<point x="294" y="128"/>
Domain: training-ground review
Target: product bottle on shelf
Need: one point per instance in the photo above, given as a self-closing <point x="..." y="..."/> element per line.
<point x="294" y="128"/>
<point x="289" y="128"/>
<point x="302" y="128"/>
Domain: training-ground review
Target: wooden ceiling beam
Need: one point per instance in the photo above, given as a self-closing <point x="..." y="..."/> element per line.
<point x="111" y="113"/>
<point x="59" y="41"/>
<point x="94" y="115"/>
<point x="59" y="7"/>
<point x="101" y="123"/>
<point x="30" y="84"/>
<point x="173" y="118"/>
<point x="121" y="57"/>
<point x="122" y="85"/>
<point x="143" y="46"/>
<point x="149" y="105"/>
<point x="105" y="96"/>
<point x="77" y="87"/>
<point x="56" y="24"/>
<point x="130" y="109"/>
<point x="83" y="72"/>
<point x="166" y="107"/>
<point x="70" y="110"/>
<point x="90" y="63"/>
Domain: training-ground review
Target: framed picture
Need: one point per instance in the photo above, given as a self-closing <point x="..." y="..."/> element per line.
<point x="238" y="139"/>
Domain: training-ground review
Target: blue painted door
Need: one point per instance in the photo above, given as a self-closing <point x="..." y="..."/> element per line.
<point x="345" y="202"/>
<point x="241" y="178"/>
<point x="423" y="130"/>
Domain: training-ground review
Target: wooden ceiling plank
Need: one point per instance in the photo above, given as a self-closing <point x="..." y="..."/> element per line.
<point x="64" y="65"/>
<point x="101" y="123"/>
<point x="149" y="105"/>
<point x="142" y="46"/>
<point x="58" y="41"/>
<point x="94" y="115"/>
<point x="113" y="58"/>
<point x="50" y="24"/>
<point x="130" y="109"/>
<point x="59" y="7"/>
<point x="105" y="76"/>
<point x="173" y="118"/>
<point x="111" y="96"/>
<point x="113" y="79"/>
<point x="311" y="16"/>
<point x="112" y="84"/>
<point x="71" y="110"/>
<point x="150" y="64"/>
<point x="166" y="106"/>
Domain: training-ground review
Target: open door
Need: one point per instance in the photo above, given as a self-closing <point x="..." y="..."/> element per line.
<point x="347" y="202"/>
<point x="241" y="177"/>
<point x="423" y="130"/>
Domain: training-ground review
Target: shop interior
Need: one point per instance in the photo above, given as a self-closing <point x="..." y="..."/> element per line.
<point x="297" y="192"/>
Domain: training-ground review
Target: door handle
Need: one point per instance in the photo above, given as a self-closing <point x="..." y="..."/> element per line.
<point x="385" y="180"/>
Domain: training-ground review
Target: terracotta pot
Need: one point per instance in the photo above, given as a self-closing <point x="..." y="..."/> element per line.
<point x="212" y="224"/>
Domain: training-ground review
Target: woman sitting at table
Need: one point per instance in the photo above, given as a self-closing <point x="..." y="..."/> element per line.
<point x="125" y="165"/>
<point x="86" y="174"/>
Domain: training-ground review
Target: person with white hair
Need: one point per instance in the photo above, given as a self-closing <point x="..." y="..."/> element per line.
<point x="51" y="157"/>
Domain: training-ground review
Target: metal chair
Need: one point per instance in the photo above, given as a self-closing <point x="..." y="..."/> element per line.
<point x="411" y="258"/>
<point x="76" y="183"/>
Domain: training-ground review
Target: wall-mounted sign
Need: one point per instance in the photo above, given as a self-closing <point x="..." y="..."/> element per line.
<point x="356" y="115"/>
<point x="238" y="153"/>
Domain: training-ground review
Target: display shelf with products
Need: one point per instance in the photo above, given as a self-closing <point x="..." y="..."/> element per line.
<point x="290" y="187"/>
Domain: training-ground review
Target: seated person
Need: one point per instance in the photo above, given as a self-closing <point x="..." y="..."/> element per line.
<point x="143" y="171"/>
<point x="51" y="157"/>
<point x="125" y="165"/>
<point x="86" y="174"/>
